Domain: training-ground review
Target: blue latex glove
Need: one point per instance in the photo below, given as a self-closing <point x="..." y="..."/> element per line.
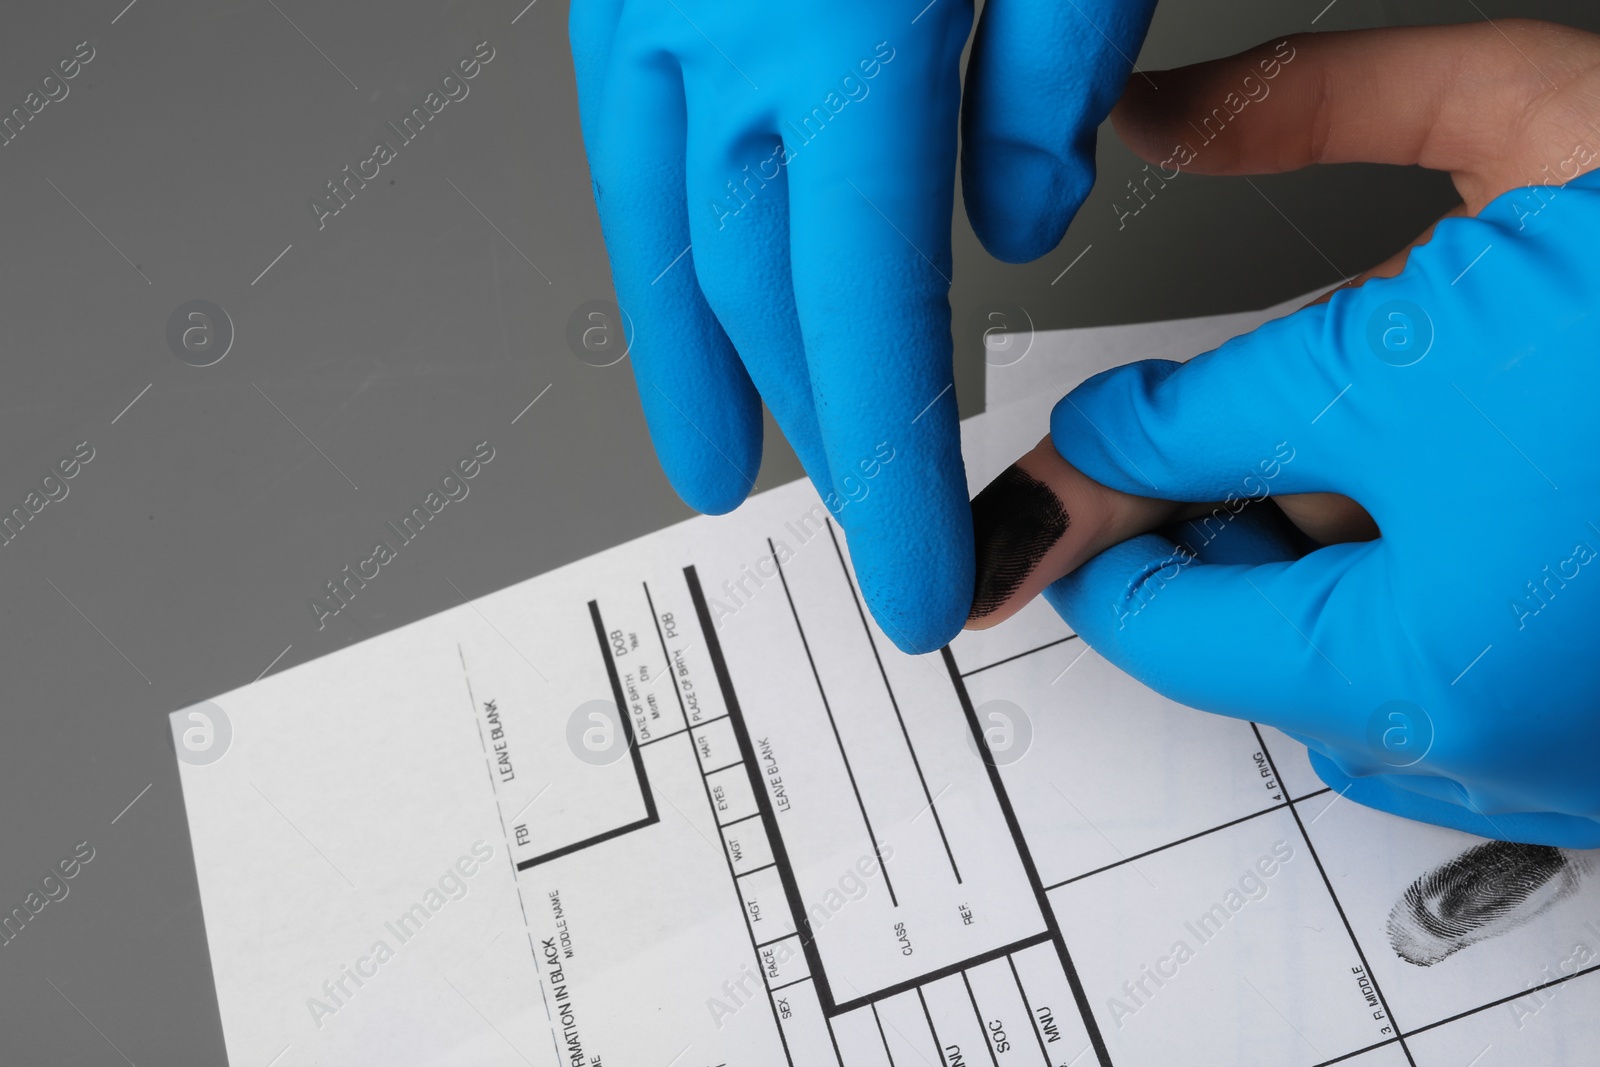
<point x="804" y="155"/>
<point x="1448" y="670"/>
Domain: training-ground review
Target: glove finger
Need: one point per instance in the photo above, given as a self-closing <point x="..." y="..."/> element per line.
<point x="870" y="203"/>
<point x="1042" y="77"/>
<point x="1440" y="801"/>
<point x="1321" y="399"/>
<point x="1245" y="640"/>
<point x="703" y="412"/>
<point x="739" y="222"/>
<point x="1213" y="428"/>
<point x="1312" y="648"/>
<point x="591" y="31"/>
<point x="1256" y="533"/>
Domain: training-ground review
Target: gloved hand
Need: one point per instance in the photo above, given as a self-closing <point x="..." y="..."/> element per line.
<point x="775" y="184"/>
<point x="1446" y="671"/>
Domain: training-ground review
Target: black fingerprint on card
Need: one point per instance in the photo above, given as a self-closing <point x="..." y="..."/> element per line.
<point x="1015" y="521"/>
<point x="1487" y="890"/>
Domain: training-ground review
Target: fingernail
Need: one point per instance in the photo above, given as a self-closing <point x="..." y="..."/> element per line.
<point x="1016" y="520"/>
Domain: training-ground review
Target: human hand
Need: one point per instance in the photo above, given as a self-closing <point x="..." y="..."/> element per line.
<point x="1443" y="671"/>
<point x="775" y="185"/>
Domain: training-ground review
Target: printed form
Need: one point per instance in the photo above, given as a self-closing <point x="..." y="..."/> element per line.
<point x="683" y="804"/>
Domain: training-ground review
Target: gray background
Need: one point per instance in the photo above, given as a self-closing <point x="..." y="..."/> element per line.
<point x="181" y="562"/>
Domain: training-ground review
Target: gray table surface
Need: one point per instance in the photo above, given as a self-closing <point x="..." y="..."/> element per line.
<point x="367" y="357"/>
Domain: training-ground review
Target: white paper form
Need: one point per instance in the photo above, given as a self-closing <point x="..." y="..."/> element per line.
<point x="797" y="846"/>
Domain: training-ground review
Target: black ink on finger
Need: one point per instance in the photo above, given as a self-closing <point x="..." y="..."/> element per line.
<point x="1016" y="520"/>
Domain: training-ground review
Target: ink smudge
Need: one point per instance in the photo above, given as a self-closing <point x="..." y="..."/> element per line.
<point x="1015" y="521"/>
<point x="1484" y="892"/>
